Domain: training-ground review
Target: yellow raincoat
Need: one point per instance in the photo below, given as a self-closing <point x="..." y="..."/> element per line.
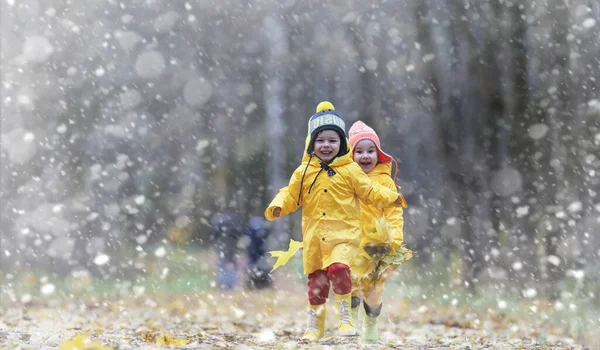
<point x="370" y="215"/>
<point x="383" y="230"/>
<point x="331" y="227"/>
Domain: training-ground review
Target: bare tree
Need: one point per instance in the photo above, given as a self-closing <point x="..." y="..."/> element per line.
<point x="274" y="94"/>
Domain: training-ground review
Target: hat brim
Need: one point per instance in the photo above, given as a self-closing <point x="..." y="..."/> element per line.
<point x="344" y="146"/>
<point x="383" y="157"/>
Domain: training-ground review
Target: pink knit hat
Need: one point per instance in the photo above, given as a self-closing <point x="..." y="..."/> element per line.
<point x="361" y="131"/>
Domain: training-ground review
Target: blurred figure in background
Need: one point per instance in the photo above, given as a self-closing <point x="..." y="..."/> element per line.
<point x="258" y="266"/>
<point x="225" y="233"/>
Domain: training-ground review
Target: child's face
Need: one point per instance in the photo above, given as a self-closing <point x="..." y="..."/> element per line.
<point x="365" y="154"/>
<point x="327" y="145"/>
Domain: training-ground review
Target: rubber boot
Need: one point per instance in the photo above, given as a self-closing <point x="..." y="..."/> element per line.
<point x="369" y="331"/>
<point x="316" y="322"/>
<point x="345" y="326"/>
<point x="355" y="303"/>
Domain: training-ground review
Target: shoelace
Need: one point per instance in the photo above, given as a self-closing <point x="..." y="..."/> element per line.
<point x="345" y="312"/>
<point x="312" y="321"/>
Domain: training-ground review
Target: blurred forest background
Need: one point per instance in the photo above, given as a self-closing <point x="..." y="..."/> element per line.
<point x="128" y="125"/>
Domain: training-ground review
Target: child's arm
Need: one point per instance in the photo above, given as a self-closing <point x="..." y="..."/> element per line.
<point x="372" y="193"/>
<point x="286" y="201"/>
<point x="394" y="216"/>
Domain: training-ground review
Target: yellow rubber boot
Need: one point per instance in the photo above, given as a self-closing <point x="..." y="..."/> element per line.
<point x="316" y="322"/>
<point x="370" y="333"/>
<point x="345" y="326"/>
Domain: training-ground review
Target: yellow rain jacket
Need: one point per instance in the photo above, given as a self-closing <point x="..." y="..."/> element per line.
<point x="370" y="216"/>
<point x="331" y="228"/>
<point x="382" y="228"/>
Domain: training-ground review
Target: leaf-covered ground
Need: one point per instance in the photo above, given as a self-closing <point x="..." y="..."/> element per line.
<point x="271" y="319"/>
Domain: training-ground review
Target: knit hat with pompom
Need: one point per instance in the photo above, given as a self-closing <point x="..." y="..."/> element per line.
<point x="326" y="118"/>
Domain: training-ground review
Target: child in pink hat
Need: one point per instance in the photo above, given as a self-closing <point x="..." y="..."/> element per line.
<point x="382" y="238"/>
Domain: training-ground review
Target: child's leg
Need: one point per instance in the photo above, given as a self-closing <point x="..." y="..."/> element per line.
<point x="372" y="304"/>
<point x="226" y="263"/>
<point x="318" y="287"/>
<point x="373" y="293"/>
<point x="355" y="301"/>
<point x="341" y="281"/>
<point x="339" y="275"/>
<point x="318" y="291"/>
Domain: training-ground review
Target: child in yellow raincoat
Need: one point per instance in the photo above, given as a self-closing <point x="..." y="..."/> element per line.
<point x="383" y="235"/>
<point x="328" y="185"/>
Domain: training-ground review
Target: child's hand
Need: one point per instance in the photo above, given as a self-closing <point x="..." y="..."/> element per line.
<point x="401" y="201"/>
<point x="276" y="212"/>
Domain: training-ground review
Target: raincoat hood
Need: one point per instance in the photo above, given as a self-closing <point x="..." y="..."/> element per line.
<point x="360" y="131"/>
<point x="381" y="169"/>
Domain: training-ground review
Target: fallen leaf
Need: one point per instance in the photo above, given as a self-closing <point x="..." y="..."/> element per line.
<point x="81" y="342"/>
<point x="167" y="339"/>
<point x="148" y="336"/>
<point x="284" y="256"/>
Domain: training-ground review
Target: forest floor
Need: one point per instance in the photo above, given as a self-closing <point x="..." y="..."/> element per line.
<point x="242" y="319"/>
<point x="183" y="309"/>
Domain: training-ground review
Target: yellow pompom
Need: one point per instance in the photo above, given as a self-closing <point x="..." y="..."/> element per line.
<point x="325" y="105"/>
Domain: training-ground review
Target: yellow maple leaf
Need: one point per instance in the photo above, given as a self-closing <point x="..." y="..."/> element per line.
<point x="284" y="256"/>
<point x="81" y="342"/>
<point x="382" y="233"/>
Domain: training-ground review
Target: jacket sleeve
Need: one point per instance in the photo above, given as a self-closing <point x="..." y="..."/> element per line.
<point x="370" y="192"/>
<point x="287" y="197"/>
<point x="395" y="216"/>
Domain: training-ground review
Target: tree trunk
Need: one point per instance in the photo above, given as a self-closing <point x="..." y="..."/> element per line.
<point x="562" y="142"/>
<point x="522" y="151"/>
<point x="274" y="95"/>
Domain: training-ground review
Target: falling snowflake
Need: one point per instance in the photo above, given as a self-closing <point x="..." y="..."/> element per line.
<point x="530" y="293"/>
<point x="197" y="92"/>
<point x="589" y="23"/>
<point x="522" y="211"/>
<point x="139" y="200"/>
<point x="160" y="252"/>
<point x="99" y="72"/>
<point x="47" y="289"/>
<point x="517" y="266"/>
<point x="150" y="64"/>
<point x="101" y="259"/>
<point x="26" y="298"/>
<point x="553" y="259"/>
<point x="538" y="131"/>
<point x="29" y="137"/>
